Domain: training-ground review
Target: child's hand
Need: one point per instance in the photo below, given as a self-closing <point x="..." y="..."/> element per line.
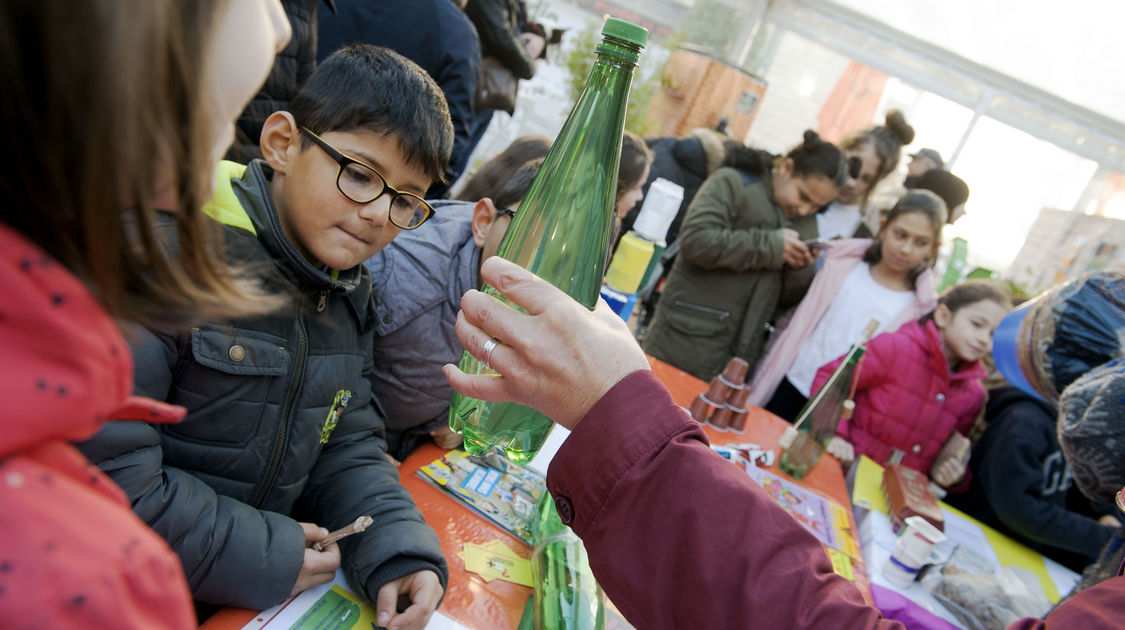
<point x="446" y="438"/>
<point x="795" y="253"/>
<point x="318" y="567"/>
<point x="421" y="592"/>
<point x="842" y="450"/>
<point x="948" y="472"/>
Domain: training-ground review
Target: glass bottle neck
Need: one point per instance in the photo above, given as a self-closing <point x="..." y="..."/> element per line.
<point x="618" y="51"/>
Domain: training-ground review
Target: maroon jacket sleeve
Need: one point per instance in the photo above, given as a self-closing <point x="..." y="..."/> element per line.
<point x="1096" y="608"/>
<point x="680" y="538"/>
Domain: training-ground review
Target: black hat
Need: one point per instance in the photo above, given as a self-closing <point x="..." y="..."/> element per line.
<point x="952" y="189"/>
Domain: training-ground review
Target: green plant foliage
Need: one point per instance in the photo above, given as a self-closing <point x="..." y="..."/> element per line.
<point x="709" y="24"/>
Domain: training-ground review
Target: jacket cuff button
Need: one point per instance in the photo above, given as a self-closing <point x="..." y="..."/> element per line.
<point x="565" y="510"/>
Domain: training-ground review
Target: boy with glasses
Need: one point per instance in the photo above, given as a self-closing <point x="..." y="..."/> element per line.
<point x="282" y="440"/>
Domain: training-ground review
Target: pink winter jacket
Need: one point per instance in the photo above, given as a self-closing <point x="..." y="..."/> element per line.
<point x="838" y="261"/>
<point x="907" y="399"/>
<point x="73" y="554"/>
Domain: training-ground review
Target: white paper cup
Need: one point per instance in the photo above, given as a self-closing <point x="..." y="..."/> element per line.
<point x="911" y="551"/>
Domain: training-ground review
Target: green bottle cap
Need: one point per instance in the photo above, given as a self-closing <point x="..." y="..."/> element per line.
<point x="626" y="31"/>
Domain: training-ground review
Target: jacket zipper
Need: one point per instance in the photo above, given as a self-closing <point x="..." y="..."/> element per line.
<point x="322" y="302"/>
<point x="717" y="312"/>
<point x="283" y="427"/>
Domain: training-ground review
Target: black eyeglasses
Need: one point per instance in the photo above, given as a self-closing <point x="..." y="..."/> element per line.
<point x="505" y="211"/>
<point x="855" y="167"/>
<point x="363" y="184"/>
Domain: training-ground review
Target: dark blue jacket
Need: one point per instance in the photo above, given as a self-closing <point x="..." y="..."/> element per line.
<point x="1021" y="483"/>
<point x="435" y="34"/>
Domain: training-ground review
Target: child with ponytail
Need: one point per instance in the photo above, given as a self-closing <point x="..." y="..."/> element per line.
<point x="740" y="235"/>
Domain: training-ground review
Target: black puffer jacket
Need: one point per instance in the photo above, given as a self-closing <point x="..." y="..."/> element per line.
<point x="291" y="68"/>
<point x="281" y="421"/>
<point x="435" y="34"/>
<point x="498" y="24"/>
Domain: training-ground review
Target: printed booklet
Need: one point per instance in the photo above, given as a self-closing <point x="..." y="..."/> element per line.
<point x="497" y="489"/>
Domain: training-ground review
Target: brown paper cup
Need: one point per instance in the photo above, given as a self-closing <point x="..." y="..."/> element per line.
<point x="702" y="408"/>
<point x="718" y="391"/>
<point x="721" y="418"/>
<point x="735" y="372"/>
<point x="737" y="419"/>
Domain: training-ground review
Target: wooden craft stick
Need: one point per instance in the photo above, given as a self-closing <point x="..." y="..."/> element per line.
<point x="358" y="526"/>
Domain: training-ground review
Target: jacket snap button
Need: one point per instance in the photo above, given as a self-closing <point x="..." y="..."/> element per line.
<point x="916" y="448"/>
<point x="565" y="510"/>
<point x="941" y="397"/>
<point x="237" y="352"/>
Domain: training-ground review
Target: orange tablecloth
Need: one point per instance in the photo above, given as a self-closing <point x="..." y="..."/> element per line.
<point x="498" y="605"/>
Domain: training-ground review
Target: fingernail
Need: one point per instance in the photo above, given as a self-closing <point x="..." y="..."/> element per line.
<point x="323" y="531"/>
<point x="383" y="618"/>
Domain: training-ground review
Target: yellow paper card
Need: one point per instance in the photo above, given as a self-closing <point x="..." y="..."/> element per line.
<point x="868" y="490"/>
<point x="841" y="563"/>
<point x="497" y="562"/>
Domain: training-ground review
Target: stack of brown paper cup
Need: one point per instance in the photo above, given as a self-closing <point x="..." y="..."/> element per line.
<point x="711" y="406"/>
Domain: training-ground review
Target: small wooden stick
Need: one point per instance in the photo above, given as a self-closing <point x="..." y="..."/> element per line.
<point x="358" y="526"/>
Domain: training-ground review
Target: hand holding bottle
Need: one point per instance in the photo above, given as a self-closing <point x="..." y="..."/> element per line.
<point x="558" y="359"/>
<point x="842" y="450"/>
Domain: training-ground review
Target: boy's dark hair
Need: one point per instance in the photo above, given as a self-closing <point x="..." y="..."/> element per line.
<point x="819" y="157"/>
<point x="516" y="188"/>
<point x="370" y="88"/>
<point x="915" y="201"/>
<point x="635" y="158"/>
<point x="970" y="292"/>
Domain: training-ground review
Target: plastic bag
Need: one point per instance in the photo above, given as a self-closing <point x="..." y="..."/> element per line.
<point x="988" y="601"/>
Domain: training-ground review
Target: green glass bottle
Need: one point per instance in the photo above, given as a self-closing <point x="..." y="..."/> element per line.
<point x="561" y="232"/>
<point x="819" y="418"/>
<point x="567" y="597"/>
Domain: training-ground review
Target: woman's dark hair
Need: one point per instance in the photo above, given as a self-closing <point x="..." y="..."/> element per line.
<point x="916" y="201"/>
<point x="970" y="292"/>
<point x="489" y="179"/>
<point x="109" y="109"/>
<point x="815" y="156"/>
<point x="635" y="158"/>
<point x="887" y="139"/>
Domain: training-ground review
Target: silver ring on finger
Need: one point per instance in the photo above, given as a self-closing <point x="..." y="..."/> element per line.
<point x="486" y="351"/>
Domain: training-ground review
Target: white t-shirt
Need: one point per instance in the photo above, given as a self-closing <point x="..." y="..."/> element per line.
<point x="838" y="221"/>
<point x="859" y="299"/>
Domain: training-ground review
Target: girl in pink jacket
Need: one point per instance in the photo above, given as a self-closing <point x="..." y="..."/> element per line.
<point x="917" y="386"/>
<point x="888" y="280"/>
